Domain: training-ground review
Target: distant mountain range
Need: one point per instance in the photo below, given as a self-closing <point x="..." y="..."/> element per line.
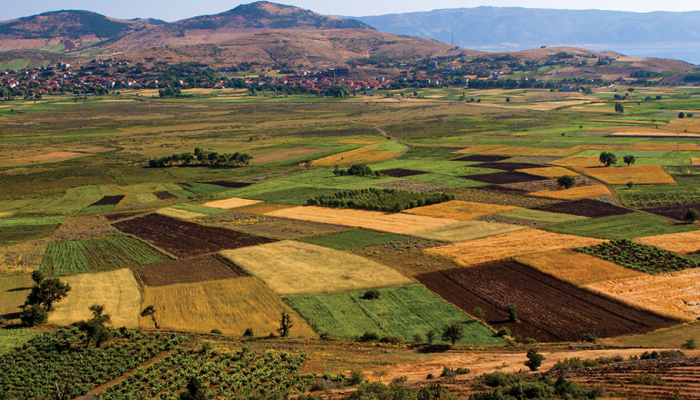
<point x="510" y="28"/>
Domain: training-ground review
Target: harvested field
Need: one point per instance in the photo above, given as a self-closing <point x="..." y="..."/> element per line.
<point x="185" y="239"/>
<point x="639" y="174"/>
<point x="577" y="162"/>
<point x="675" y="211"/>
<point x="549" y="172"/>
<point x="676" y="294"/>
<point x="164" y="195"/>
<point x="695" y="161"/>
<point x="229" y="184"/>
<point x="117" y="217"/>
<point x="400" y="223"/>
<point x="480" y="158"/>
<point x="353" y="239"/>
<point x="413" y="186"/>
<point x="108" y="201"/>
<point x="549" y="309"/>
<point x="366" y="154"/>
<point x="504" y="177"/>
<point x="179" y="214"/>
<point x="585" y="208"/>
<point x="400" y="172"/>
<point x="548" y="184"/>
<point x="230" y="305"/>
<point x="540" y="216"/>
<point x="407" y="255"/>
<point x="196" y="269"/>
<point x="13" y="293"/>
<point x="575" y="193"/>
<point x="503" y="150"/>
<point x="679" y="243"/>
<point x="278" y="228"/>
<point x="505" y="199"/>
<point x="231" y="203"/>
<point x="459" y="210"/>
<point x="576" y="268"/>
<point x="398" y="312"/>
<point x="291" y="268"/>
<point x="509" y="245"/>
<point x="507" y="166"/>
<point x="466" y="230"/>
<point x="263" y="208"/>
<point x="117" y="290"/>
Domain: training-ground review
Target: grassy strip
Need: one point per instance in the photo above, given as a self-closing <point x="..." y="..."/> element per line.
<point x="354" y="239"/>
<point x="627" y="226"/>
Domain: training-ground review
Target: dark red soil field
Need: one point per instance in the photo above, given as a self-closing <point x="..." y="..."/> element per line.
<point x="400" y="172"/>
<point x="108" y="201"/>
<point x="504" y="177"/>
<point x="186" y="239"/>
<point x="506" y="166"/>
<point x="117" y="217"/>
<point x="198" y="269"/>
<point x="676" y="211"/>
<point x="585" y="208"/>
<point x="164" y="195"/>
<point x="229" y="184"/>
<point x="480" y="158"/>
<point x="549" y="309"/>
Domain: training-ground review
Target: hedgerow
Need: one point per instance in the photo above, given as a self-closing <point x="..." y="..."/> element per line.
<point x="390" y="200"/>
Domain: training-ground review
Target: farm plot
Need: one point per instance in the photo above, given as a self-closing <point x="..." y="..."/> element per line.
<point x="575" y="193"/>
<point x="675" y="211"/>
<point x="22" y="257"/>
<point x="118" y="216"/>
<point x="549" y="309"/>
<point x="199" y="209"/>
<point x="575" y="267"/>
<point x="13" y="293"/>
<point x="639" y="174"/>
<point x="16" y="230"/>
<point x="549" y="172"/>
<point x="509" y="245"/>
<point x="400" y="172"/>
<point x="540" y="216"/>
<point x="680" y="243"/>
<point x="179" y="213"/>
<point x="480" y="158"/>
<point x="466" y="230"/>
<point x="353" y="239"/>
<point x="196" y="269"/>
<point x="231" y="203"/>
<point x="639" y="257"/>
<point x="506" y="188"/>
<point x="77" y="257"/>
<point x="676" y="294"/>
<point x="400" y="223"/>
<point x="502" y="150"/>
<point x="108" y="201"/>
<point x="276" y="228"/>
<point x="407" y="255"/>
<point x="11" y="338"/>
<point x="577" y="162"/>
<point x="400" y="312"/>
<point x="117" y="290"/>
<point x="585" y="208"/>
<point x="366" y="154"/>
<point x="507" y="166"/>
<point x="164" y="195"/>
<point x="504" y="177"/>
<point x="627" y="226"/>
<point x="229" y="184"/>
<point x="185" y="239"/>
<point x="231" y="305"/>
<point x="413" y="186"/>
<point x="291" y="268"/>
<point x="459" y="210"/>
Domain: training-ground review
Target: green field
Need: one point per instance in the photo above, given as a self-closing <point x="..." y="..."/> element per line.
<point x="627" y="226"/>
<point x="354" y="239"/>
<point x="541" y="216"/>
<point x="94" y="255"/>
<point x="400" y="312"/>
<point x="11" y="338"/>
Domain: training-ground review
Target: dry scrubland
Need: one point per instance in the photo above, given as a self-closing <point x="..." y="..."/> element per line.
<point x="117" y="290"/>
<point x="459" y="210"/>
<point x="509" y="245"/>
<point x="681" y="243"/>
<point x="231" y="305"/>
<point x="291" y="268"/>
<point x="576" y="193"/>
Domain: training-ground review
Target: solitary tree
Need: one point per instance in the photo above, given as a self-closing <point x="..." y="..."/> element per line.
<point x="47" y="292"/>
<point x="478" y="312"/>
<point x="285" y="325"/>
<point x="150" y="311"/>
<point x="512" y="311"/>
<point x="95" y="328"/>
<point x="681" y="115"/>
<point x="34" y="315"/>
<point x="607" y="158"/>
<point x="629" y="159"/>
<point x="534" y="359"/>
<point x="453" y="332"/>
<point x="692" y="215"/>
<point x="566" y="181"/>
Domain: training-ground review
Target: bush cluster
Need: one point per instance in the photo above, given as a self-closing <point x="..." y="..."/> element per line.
<point x="510" y="386"/>
<point x="390" y="200"/>
<point x="640" y="257"/>
<point x="357" y="170"/>
<point x="579" y="363"/>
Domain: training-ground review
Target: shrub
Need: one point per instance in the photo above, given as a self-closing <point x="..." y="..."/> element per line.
<point x="356" y="377"/>
<point x="417" y="338"/>
<point x="430" y="336"/>
<point x="692" y="215"/>
<point x="607" y="158"/>
<point x="566" y="181"/>
<point x="629" y="159"/>
<point x="216" y="331"/>
<point x="512" y="311"/>
<point x="453" y="332"/>
<point x="689" y="345"/>
<point x="248" y="332"/>
<point x="534" y="359"/>
<point x="368" y="337"/>
<point x="389" y="200"/>
<point x="371" y="294"/>
<point x="503" y="332"/>
<point x="34" y="315"/>
<point x="589" y="338"/>
<point x="357" y="170"/>
<point x="478" y="312"/>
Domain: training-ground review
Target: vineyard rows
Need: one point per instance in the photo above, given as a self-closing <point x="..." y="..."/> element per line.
<point x="640" y="257"/>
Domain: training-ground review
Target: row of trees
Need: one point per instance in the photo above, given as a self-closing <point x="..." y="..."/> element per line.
<point x="607" y="158"/>
<point x="202" y="157"/>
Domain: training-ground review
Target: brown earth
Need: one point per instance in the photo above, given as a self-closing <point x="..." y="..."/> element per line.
<point x="186" y="239"/>
<point x="400" y="172"/>
<point x="505" y="199"/>
<point x="481" y="158"/>
<point x="548" y="184"/>
<point x="506" y="166"/>
<point x="108" y="200"/>
<point x="549" y="309"/>
<point x="585" y="208"/>
<point x="164" y="195"/>
<point x="197" y="269"/>
<point x="504" y="177"/>
<point x="675" y="211"/>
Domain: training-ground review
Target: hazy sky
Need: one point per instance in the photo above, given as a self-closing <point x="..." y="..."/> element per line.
<point x="172" y="10"/>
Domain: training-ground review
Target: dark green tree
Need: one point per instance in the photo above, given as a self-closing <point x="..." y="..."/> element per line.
<point x="285" y="324"/>
<point x="512" y="311"/>
<point x="629" y="159"/>
<point x="34" y="315"/>
<point x="150" y="311"/>
<point x="453" y="332"/>
<point x="681" y="115"/>
<point x="692" y="215"/>
<point x="38" y="276"/>
<point x="47" y="292"/>
<point x="566" y="181"/>
<point x="607" y="158"/>
<point x="619" y="108"/>
<point x="94" y="328"/>
<point x="534" y="359"/>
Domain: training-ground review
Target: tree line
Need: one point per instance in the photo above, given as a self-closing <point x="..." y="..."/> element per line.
<point x="202" y="157"/>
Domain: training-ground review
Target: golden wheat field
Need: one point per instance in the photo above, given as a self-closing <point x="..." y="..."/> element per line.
<point x="510" y="244"/>
<point x="263" y="208"/>
<point x="231" y="203"/>
<point x="576" y="193"/>
<point x="466" y="230"/>
<point x="230" y="305"/>
<point x="400" y="223"/>
<point x="695" y="161"/>
<point x="576" y="268"/>
<point x="675" y="294"/>
<point x="639" y="146"/>
<point x="290" y="268"/>
<point x="366" y="154"/>
<point x="515" y="151"/>
<point x="549" y="172"/>
<point x="179" y="214"/>
<point x="459" y="210"/>
<point x="117" y="290"/>
<point x="639" y="174"/>
<point x="680" y="243"/>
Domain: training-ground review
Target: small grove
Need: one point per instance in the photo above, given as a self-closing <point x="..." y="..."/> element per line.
<point x="389" y="200"/>
<point x="202" y="158"/>
<point x="639" y="257"/>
